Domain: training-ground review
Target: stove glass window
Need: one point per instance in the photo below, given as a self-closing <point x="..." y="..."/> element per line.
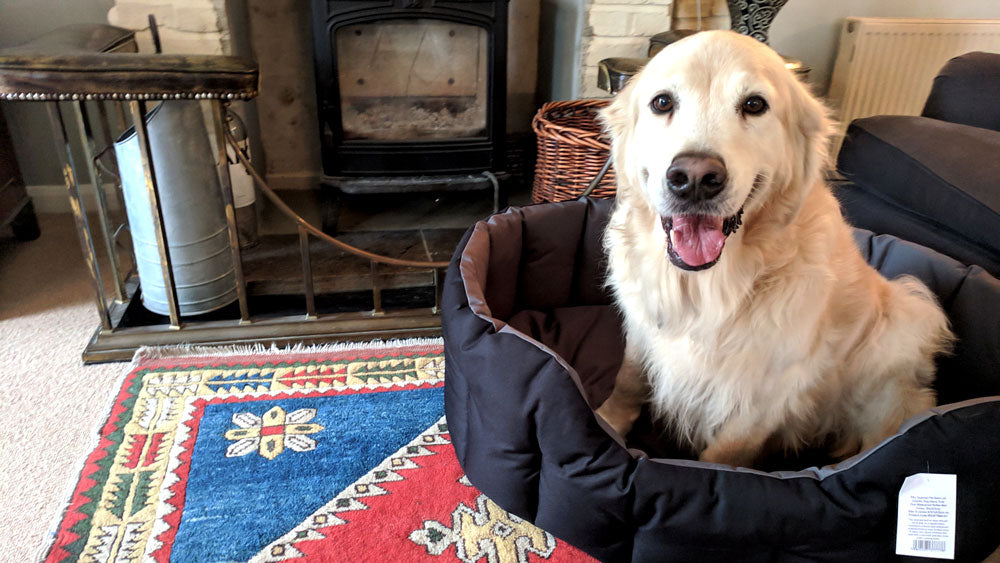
<point x="412" y="80"/>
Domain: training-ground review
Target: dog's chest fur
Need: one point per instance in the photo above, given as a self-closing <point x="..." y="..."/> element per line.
<point x="697" y="386"/>
<point x="716" y="343"/>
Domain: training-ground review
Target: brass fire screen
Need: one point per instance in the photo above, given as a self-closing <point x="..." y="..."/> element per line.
<point x="88" y="84"/>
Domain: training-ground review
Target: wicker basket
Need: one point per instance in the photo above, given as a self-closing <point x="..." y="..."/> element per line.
<point x="572" y="149"/>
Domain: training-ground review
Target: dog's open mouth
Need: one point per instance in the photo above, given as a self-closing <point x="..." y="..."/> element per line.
<point x="694" y="242"/>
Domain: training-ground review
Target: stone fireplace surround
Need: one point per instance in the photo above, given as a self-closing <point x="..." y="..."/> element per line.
<point x="186" y="26"/>
<point x="277" y="34"/>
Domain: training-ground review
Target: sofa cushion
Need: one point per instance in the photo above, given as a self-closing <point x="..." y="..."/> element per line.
<point x="945" y="174"/>
<point x="966" y="91"/>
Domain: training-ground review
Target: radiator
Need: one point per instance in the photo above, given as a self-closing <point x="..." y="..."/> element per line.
<point x="885" y="66"/>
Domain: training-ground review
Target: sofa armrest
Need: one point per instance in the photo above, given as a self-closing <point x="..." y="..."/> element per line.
<point x="966" y="91"/>
<point x="945" y="173"/>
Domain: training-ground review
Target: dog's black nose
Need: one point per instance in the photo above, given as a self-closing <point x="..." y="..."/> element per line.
<point x="696" y="176"/>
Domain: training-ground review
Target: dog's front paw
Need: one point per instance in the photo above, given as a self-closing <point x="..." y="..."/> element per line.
<point x="621" y="420"/>
<point x="729" y="453"/>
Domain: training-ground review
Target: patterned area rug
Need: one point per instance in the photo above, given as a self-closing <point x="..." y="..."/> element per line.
<point x="333" y="454"/>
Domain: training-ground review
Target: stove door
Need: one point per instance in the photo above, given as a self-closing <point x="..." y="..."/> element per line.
<point x="416" y="90"/>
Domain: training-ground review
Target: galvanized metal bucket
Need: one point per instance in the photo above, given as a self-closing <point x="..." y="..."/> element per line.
<point x="193" y="212"/>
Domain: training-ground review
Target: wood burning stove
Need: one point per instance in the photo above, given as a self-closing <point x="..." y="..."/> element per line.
<point x="410" y="88"/>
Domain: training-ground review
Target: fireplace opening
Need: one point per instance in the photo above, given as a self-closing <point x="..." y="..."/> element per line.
<point x="410" y="89"/>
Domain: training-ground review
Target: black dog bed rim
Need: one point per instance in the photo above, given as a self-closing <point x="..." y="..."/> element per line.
<point x="565" y="470"/>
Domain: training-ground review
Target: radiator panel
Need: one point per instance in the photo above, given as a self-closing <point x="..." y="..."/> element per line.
<point x="886" y="66"/>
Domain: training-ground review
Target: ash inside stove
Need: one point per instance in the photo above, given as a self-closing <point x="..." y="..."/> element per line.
<point x="408" y="118"/>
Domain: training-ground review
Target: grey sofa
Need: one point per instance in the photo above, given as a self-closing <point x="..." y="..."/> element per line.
<point x="933" y="179"/>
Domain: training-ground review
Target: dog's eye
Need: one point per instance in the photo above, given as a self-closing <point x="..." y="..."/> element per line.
<point x="754" y="105"/>
<point x="662" y="103"/>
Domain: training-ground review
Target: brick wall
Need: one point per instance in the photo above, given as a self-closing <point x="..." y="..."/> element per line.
<point x="618" y="28"/>
<point x="622" y="28"/>
<point x="185" y="26"/>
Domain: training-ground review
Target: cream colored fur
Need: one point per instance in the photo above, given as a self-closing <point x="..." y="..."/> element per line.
<point x="790" y="339"/>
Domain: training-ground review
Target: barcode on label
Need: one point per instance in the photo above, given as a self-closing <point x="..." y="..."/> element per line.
<point x="928" y="545"/>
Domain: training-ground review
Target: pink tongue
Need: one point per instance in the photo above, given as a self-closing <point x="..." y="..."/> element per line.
<point x="697" y="239"/>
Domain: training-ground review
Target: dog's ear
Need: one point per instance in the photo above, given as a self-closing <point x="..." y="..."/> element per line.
<point x="815" y="127"/>
<point x="618" y="120"/>
<point x="810" y="128"/>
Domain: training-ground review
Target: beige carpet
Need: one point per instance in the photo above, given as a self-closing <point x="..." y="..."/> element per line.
<point x="50" y="405"/>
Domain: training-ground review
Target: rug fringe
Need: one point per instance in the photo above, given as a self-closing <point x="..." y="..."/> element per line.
<point x="186" y="350"/>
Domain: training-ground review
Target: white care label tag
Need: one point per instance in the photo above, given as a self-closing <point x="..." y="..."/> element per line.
<point x="926" y="519"/>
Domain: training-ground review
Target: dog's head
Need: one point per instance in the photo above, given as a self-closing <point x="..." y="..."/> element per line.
<point x="713" y="129"/>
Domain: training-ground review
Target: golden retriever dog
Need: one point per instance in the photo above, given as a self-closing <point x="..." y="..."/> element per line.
<point x="752" y="322"/>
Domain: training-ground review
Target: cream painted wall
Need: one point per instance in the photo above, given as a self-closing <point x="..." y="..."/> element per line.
<point x="810" y="29"/>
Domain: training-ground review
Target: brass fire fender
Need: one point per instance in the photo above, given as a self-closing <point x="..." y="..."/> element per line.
<point x="135" y="79"/>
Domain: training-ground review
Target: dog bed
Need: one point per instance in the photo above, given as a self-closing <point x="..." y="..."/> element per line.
<point x="533" y="345"/>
